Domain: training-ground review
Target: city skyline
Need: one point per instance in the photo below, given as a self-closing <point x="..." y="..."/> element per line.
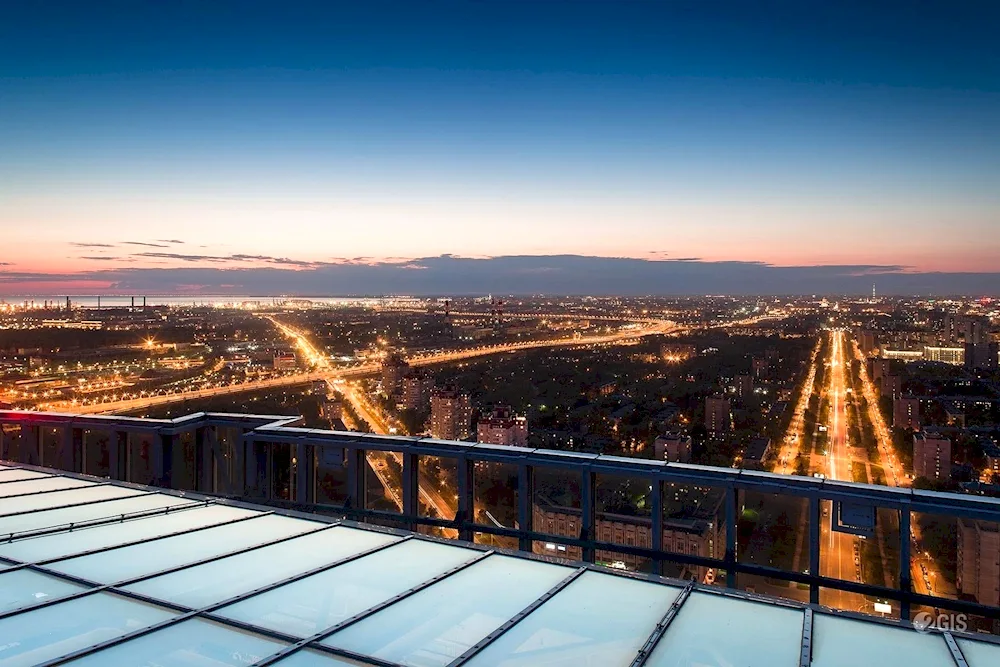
<point x="507" y="147"/>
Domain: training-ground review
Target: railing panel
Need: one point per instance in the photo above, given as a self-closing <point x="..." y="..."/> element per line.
<point x="679" y="520"/>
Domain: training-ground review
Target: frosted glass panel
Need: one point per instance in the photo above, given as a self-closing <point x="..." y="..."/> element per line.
<point x="142" y="559"/>
<point x="841" y="642"/>
<point x="715" y="630"/>
<point x="222" y="579"/>
<point x="40" y="485"/>
<point x="597" y="620"/>
<point x="307" y="658"/>
<point x="436" y="625"/>
<point x="310" y="605"/>
<point x="23" y="588"/>
<point x="87" y="494"/>
<point x="980" y="654"/>
<point x="20" y="523"/>
<point x="13" y="475"/>
<point x="62" y="544"/>
<point x="63" y="628"/>
<point x="192" y="643"/>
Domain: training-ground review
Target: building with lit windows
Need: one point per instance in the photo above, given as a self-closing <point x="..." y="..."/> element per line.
<point x="906" y="413"/>
<point x="503" y="427"/>
<point x="931" y="456"/>
<point x="451" y="413"/>
<point x="978" y="565"/>
<point x="717" y="414"/>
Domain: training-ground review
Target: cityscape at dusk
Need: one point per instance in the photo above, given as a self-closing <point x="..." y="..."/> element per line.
<point x="500" y="334"/>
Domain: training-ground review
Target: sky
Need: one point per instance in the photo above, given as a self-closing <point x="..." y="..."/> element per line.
<point x="657" y="147"/>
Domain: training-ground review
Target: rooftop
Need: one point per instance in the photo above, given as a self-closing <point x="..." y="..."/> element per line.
<point x="107" y="573"/>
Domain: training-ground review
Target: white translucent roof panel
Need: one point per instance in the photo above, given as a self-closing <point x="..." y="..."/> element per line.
<point x="438" y="624"/>
<point x="20" y="523"/>
<point x="980" y="654"/>
<point x="43" y="634"/>
<point x="65" y="544"/>
<point x="143" y="559"/>
<point x="714" y="630"/>
<point x="14" y="475"/>
<point x="315" y="603"/>
<point x="598" y="620"/>
<point x="40" y="485"/>
<point x="220" y="580"/>
<point x="843" y="642"/>
<point x="23" y="588"/>
<point x="191" y="643"/>
<point x="66" y="498"/>
<point x="307" y="658"/>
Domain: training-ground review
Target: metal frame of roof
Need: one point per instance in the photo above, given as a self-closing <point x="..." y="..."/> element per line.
<point x="295" y="644"/>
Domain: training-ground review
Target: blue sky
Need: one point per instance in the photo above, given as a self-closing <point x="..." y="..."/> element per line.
<point x="793" y="134"/>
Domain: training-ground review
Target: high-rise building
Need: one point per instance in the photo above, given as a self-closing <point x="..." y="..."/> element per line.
<point x="503" y="427"/>
<point x="673" y="446"/>
<point x="415" y="391"/>
<point x="978" y="563"/>
<point x="991" y="452"/>
<point x="892" y="386"/>
<point x="760" y="368"/>
<point x="451" y="413"/>
<point x="393" y="369"/>
<point x="977" y="330"/>
<point x="906" y="413"/>
<point x="717" y="411"/>
<point x="982" y="356"/>
<point x="950" y="329"/>
<point x="878" y="369"/>
<point x="867" y="342"/>
<point x="931" y="455"/>
<point x="744" y="386"/>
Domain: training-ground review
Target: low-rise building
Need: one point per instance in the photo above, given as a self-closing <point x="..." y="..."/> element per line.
<point x="673" y="446"/>
<point x="503" y="427"/>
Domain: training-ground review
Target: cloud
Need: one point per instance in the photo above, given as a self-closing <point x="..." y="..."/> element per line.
<point x="147" y="245"/>
<point x="238" y="258"/>
<point x="520" y="274"/>
<point x="106" y="258"/>
<point x="174" y="241"/>
<point x="6" y="264"/>
<point x="91" y="245"/>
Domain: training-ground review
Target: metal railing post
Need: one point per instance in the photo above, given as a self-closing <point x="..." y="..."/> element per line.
<point x="588" y="513"/>
<point x="31" y="445"/>
<point x="411" y="489"/>
<point x="730" y="556"/>
<point x="303" y="467"/>
<point x="656" y="507"/>
<point x="465" y="499"/>
<point x="163" y="459"/>
<point x="525" y="504"/>
<point x="356" y="463"/>
<point x="905" y="582"/>
<point x="815" y="518"/>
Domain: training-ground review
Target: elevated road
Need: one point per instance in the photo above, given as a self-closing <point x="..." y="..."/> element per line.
<point x="323" y="369"/>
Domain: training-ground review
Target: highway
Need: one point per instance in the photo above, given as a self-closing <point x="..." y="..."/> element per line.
<point x="842" y="559"/>
<point x="324" y="370"/>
